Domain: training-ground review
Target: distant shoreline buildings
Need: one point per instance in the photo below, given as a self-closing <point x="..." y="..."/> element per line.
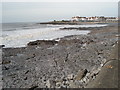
<point x="95" y="18"/>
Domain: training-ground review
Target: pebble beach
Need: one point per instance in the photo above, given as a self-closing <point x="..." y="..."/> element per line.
<point x="73" y="61"/>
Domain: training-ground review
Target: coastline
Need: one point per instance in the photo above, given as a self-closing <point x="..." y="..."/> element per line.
<point x="71" y="62"/>
<point x="76" y="22"/>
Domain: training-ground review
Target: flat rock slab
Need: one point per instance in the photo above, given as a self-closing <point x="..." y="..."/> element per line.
<point x="108" y="77"/>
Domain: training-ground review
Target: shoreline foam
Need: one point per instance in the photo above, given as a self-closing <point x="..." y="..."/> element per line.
<point x="22" y="37"/>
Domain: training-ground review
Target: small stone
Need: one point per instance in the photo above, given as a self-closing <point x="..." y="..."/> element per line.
<point x="33" y="88"/>
<point x="88" y="74"/>
<point x="95" y="72"/>
<point x="104" y="60"/>
<point x="63" y="86"/>
<point x="94" y="77"/>
<point x="84" y="79"/>
<point x="70" y="76"/>
<point x="81" y="74"/>
<point x="101" y="65"/>
<point x="72" y="85"/>
<point x="64" y="79"/>
<point x="67" y="83"/>
<point x="26" y="71"/>
<point x="58" y="84"/>
<point x="6" y="62"/>
<point x="25" y="78"/>
<point x="48" y="84"/>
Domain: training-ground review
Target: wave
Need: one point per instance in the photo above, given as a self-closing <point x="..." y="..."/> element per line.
<point x="77" y="26"/>
<point x="19" y="38"/>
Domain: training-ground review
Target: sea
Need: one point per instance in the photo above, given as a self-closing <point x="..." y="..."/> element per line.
<point x="19" y="34"/>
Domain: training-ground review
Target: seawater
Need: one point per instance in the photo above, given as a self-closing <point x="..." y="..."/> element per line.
<point x="19" y="34"/>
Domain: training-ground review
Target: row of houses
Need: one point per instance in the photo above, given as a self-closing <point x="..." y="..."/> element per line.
<point x="96" y="18"/>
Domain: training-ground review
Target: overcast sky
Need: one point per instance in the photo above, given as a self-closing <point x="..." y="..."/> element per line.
<point x="47" y="11"/>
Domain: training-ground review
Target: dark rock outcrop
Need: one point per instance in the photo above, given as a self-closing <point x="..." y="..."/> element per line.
<point x="42" y="42"/>
<point x="1" y="46"/>
<point x="80" y="28"/>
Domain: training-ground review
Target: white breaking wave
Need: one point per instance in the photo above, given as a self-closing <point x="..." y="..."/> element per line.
<point x="19" y="38"/>
<point x="90" y="25"/>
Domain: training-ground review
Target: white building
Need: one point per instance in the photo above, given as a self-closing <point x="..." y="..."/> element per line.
<point x="96" y="18"/>
<point x="77" y="18"/>
<point x="111" y="18"/>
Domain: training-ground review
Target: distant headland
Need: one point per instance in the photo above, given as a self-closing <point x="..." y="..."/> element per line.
<point x="80" y="20"/>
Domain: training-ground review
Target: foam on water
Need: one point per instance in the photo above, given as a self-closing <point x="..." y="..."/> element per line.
<point x="19" y="38"/>
<point x="89" y="25"/>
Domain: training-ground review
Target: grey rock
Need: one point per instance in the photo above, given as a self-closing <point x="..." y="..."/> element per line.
<point x="81" y="74"/>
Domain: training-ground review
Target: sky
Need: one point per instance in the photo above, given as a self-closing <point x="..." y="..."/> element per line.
<point x="48" y="11"/>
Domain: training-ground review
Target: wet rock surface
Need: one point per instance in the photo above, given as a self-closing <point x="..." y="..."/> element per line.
<point x="71" y="62"/>
<point x="42" y="42"/>
<point x="1" y="46"/>
<point x="81" y="28"/>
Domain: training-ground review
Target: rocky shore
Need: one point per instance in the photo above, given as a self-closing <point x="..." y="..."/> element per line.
<point x="73" y="23"/>
<point x="81" y="28"/>
<point x="69" y="62"/>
